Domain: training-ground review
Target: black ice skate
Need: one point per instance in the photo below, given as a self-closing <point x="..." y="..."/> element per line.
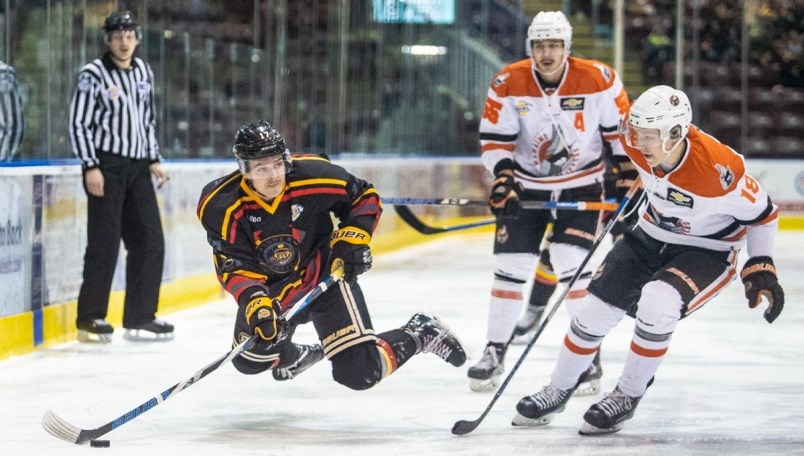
<point x="98" y="331"/>
<point x="432" y="335"/>
<point x="607" y="416"/>
<point x="527" y="324"/>
<point x="485" y="375"/>
<point x="591" y="384"/>
<point x="540" y="408"/>
<point x="308" y="355"/>
<point x="156" y="330"/>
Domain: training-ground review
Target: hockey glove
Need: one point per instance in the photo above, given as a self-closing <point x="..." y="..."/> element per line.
<point x="350" y="246"/>
<point x="759" y="278"/>
<point x="261" y="317"/>
<point x="505" y="193"/>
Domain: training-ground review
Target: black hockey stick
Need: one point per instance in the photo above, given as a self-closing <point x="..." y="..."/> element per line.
<point x="463" y="427"/>
<point x="405" y="214"/>
<point x="60" y="428"/>
<point x="417" y="224"/>
<point x="560" y="205"/>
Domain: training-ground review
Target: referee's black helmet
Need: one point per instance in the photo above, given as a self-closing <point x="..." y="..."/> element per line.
<point x="121" y="20"/>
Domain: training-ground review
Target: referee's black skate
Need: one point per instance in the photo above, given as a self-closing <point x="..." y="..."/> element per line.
<point x="432" y="335"/>
<point x="486" y="374"/>
<point x="97" y="330"/>
<point x="607" y="415"/>
<point x="157" y="330"/>
<point x="308" y="355"/>
<point x="540" y="408"/>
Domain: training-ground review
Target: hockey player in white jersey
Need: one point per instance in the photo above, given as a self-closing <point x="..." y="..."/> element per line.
<point x="544" y="123"/>
<point x="702" y="208"/>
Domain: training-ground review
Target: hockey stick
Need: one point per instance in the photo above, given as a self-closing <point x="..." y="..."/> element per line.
<point x="560" y="205"/>
<point x="463" y="427"/>
<point x="407" y="215"/>
<point x="60" y="428"/>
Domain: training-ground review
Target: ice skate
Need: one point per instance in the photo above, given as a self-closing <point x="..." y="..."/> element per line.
<point x="540" y="408"/>
<point x="591" y="385"/>
<point x="308" y="355"/>
<point x="607" y="415"/>
<point x="432" y="335"/>
<point x="527" y="325"/>
<point x="485" y="375"/>
<point x="156" y="330"/>
<point x="95" y="331"/>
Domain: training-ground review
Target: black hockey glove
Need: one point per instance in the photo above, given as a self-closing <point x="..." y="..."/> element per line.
<point x="261" y="317"/>
<point x="759" y="278"/>
<point x="505" y="193"/>
<point x="350" y="246"/>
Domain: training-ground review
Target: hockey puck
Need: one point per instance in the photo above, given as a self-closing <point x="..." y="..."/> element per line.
<point x="100" y="443"/>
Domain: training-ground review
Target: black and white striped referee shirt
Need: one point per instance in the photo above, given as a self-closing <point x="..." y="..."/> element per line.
<point x="12" y="120"/>
<point x="113" y="111"/>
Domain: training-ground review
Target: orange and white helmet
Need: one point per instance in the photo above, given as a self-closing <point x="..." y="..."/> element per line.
<point x="661" y="108"/>
<point x="549" y="25"/>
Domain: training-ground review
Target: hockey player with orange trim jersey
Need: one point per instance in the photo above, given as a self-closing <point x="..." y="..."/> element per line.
<point x="542" y="137"/>
<point x="702" y="208"/>
<point x="272" y="236"/>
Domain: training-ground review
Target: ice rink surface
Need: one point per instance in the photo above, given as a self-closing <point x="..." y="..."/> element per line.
<point x="730" y="384"/>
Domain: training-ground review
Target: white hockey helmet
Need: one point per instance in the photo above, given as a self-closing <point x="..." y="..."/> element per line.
<point x="549" y="25"/>
<point x="662" y="108"/>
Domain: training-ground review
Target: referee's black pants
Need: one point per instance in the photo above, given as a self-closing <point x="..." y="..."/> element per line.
<point x="127" y="211"/>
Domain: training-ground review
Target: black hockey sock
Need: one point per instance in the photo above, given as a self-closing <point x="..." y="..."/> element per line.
<point x="401" y="343"/>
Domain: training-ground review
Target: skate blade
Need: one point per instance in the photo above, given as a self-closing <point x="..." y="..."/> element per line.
<point x="92" y="338"/>
<point x="590" y="388"/>
<point x="588" y="429"/>
<point x="521" y="420"/>
<point x="140" y="335"/>
<point x="482" y="386"/>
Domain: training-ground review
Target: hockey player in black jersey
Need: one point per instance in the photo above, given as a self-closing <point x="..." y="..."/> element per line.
<point x="270" y="227"/>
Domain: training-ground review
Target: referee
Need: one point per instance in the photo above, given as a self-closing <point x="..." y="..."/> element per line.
<point x="12" y="120"/>
<point x="112" y="132"/>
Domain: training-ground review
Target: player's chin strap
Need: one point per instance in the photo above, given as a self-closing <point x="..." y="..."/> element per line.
<point x="462" y="427"/>
<point x="60" y="428"/>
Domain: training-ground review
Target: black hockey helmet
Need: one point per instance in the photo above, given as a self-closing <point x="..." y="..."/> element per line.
<point x="121" y="20"/>
<point x="259" y="140"/>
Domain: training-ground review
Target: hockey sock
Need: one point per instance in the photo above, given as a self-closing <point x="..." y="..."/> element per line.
<point x="396" y="347"/>
<point x="504" y="308"/>
<point x="577" y="353"/>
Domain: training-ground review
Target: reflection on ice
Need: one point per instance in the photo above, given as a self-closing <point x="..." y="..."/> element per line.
<point x="731" y="383"/>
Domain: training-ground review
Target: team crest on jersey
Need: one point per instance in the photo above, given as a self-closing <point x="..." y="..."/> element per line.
<point x="84" y="83"/>
<point x="522" y="107"/>
<point x="671" y="224"/>
<point x="502" y="235"/>
<point x="295" y="211"/>
<point x="678" y="198"/>
<point x="143" y="87"/>
<point x="242" y="337"/>
<point x="726" y="176"/>
<point x="604" y="70"/>
<point x="279" y="254"/>
<point x="112" y="92"/>
<point x="500" y="80"/>
<point x="551" y="155"/>
<point x="572" y="104"/>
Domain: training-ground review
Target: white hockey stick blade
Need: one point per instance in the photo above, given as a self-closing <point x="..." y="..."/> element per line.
<point x="56" y="426"/>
